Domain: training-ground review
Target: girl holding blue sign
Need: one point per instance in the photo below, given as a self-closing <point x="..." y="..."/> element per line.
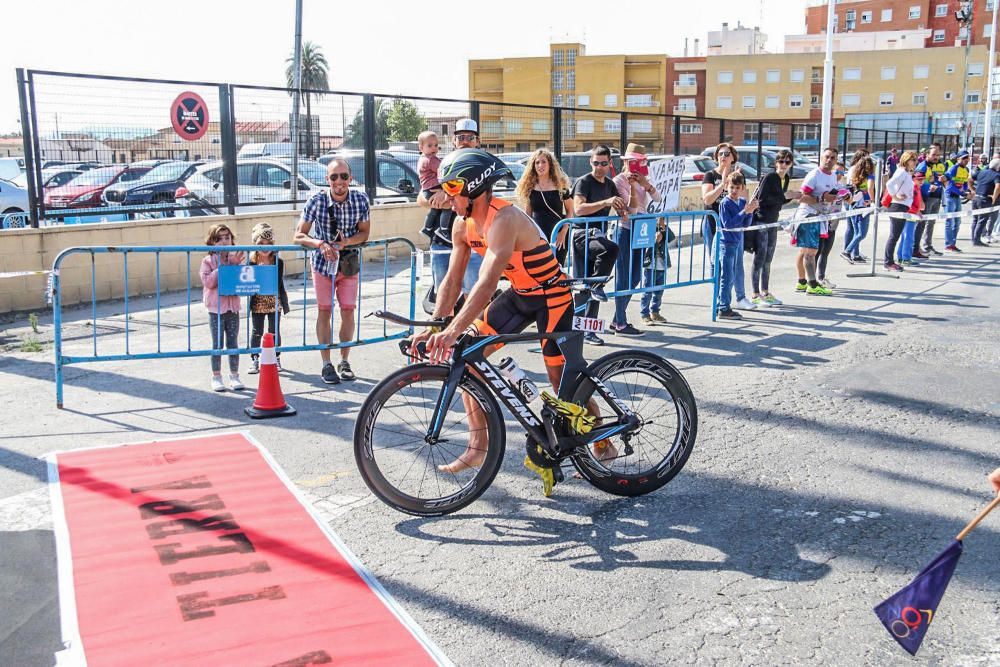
<point x="265" y="306"/>
<point x="223" y="311"/>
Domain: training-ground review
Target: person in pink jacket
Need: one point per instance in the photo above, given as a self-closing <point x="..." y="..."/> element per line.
<point x="224" y="311"/>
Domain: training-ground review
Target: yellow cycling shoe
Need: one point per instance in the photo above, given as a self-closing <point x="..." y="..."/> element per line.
<point x="580" y="420"/>
<point x="547" y="475"/>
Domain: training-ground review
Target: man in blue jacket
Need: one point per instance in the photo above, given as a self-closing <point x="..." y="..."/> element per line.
<point x="955" y="194"/>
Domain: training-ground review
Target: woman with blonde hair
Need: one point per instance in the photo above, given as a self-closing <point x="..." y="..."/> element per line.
<point x="544" y="194"/>
<point x="900" y="188"/>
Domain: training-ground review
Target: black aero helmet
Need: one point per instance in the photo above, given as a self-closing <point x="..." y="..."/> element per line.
<point x="469" y="172"/>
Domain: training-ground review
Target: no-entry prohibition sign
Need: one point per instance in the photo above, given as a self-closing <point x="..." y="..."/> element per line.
<point x="189" y="116"/>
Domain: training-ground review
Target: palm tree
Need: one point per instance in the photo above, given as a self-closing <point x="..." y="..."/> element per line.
<point x="314" y="69"/>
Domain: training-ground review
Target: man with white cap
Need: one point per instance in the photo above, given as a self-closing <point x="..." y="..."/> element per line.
<point x="466" y="136"/>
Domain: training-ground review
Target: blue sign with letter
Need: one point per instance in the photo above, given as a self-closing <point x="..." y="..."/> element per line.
<point x="644" y="233"/>
<point x="248" y="279"/>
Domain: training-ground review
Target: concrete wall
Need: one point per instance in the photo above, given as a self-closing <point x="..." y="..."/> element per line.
<point x="36" y="249"/>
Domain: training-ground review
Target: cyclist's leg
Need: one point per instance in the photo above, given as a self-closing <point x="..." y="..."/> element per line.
<point x="502" y="316"/>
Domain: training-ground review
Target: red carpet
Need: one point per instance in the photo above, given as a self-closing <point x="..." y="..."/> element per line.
<point x="197" y="552"/>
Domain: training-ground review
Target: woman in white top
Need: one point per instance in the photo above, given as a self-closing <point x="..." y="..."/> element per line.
<point x="900" y="188"/>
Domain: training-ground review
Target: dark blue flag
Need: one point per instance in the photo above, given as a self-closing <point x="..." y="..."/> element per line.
<point x="908" y="613"/>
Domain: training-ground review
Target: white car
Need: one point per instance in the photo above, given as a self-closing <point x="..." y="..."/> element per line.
<point x="13" y="198"/>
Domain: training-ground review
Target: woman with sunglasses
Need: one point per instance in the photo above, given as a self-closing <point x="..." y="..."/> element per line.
<point x="861" y="182"/>
<point x="773" y="194"/>
<point x="543" y="193"/>
<point x="713" y="188"/>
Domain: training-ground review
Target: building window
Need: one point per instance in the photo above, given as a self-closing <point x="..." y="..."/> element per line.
<point x="723" y="103"/>
<point x="571" y="101"/>
<point x="795" y="101"/>
<point x="963" y="32"/>
<point x="514" y="127"/>
<point x="640" y="126"/>
<point x="749" y="76"/>
<point x="921" y="71"/>
<point x="886" y="99"/>
<point x="725" y="77"/>
<point x="796" y="76"/>
<point x="686" y="104"/>
<point x="949" y="69"/>
<point x="571" y="79"/>
<point x="557" y="58"/>
<point x="851" y="14"/>
<point x="752" y="131"/>
<point x="817" y="75"/>
<point x="557" y="100"/>
<point x="938" y="36"/>
<point x="772" y="102"/>
<point x="988" y="30"/>
<point x="888" y="73"/>
<point x="540" y="127"/>
<point x="852" y="74"/>
<point x="638" y="100"/>
<point x="774" y="76"/>
<point x="919" y="99"/>
<point x="866" y="17"/>
<point x="492" y="127"/>
<point x="687" y="79"/>
<point x="749" y="102"/>
<point x="611" y="101"/>
<point x="915" y="12"/>
<point x="989" y="5"/>
<point x="850" y="100"/>
<point x="806" y="134"/>
<point x="886" y="15"/>
<point x="583" y="100"/>
<point x="941" y="10"/>
<point x="584" y="127"/>
<point x="689" y="128"/>
<point x="948" y="96"/>
<point x="972" y="98"/>
<point x="612" y="126"/>
<point x="975" y="69"/>
<point x="571" y="57"/>
<point x="557" y="80"/>
<point x="814" y="102"/>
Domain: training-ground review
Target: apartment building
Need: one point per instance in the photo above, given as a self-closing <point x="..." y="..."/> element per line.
<point x="937" y="16"/>
<point x="594" y="92"/>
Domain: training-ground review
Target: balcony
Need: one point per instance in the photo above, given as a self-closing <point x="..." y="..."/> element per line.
<point x="685" y="111"/>
<point x="685" y="89"/>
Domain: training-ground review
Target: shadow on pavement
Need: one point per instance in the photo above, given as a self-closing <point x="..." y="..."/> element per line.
<point x="29" y="602"/>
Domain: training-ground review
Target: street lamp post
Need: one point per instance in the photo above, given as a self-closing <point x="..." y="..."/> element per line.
<point x="964" y="17"/>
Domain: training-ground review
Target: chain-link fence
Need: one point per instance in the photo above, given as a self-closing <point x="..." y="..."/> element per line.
<point x="117" y="148"/>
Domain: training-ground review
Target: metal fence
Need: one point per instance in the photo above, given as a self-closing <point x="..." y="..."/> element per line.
<point x="228" y="148"/>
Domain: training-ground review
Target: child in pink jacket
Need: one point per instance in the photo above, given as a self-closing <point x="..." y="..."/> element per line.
<point x="224" y="311"/>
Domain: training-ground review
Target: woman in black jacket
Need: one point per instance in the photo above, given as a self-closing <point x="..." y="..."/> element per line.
<point x="773" y="194"/>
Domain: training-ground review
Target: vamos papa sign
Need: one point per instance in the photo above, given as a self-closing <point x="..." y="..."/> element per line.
<point x="189" y="116"/>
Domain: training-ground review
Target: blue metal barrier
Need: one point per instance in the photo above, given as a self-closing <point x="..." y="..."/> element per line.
<point x="686" y="257"/>
<point x="406" y="254"/>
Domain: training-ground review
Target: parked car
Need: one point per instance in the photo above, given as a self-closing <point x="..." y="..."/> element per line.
<point x="396" y="179"/>
<point x="282" y="150"/>
<point x="696" y="166"/>
<point x="10" y="167"/>
<point x="54" y="177"/>
<point x="13" y="198"/>
<point x="748" y="154"/>
<point x="577" y="164"/>
<point x="156" y="187"/>
<point x="85" y="190"/>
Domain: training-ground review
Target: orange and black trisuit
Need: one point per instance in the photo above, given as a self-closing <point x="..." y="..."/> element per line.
<point x="534" y="295"/>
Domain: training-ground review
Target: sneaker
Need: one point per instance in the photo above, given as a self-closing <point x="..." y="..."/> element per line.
<point x="893" y="267"/>
<point x="344" y="370"/>
<point x="850" y="260"/>
<point x="801" y="287"/>
<point x="920" y="255"/>
<point x="951" y="248"/>
<point x="819" y="290"/>
<point x="427" y="231"/>
<point x="657" y="318"/>
<point x="593" y="339"/>
<point x="598" y="294"/>
<point x="646" y="319"/>
<point x="627" y="330"/>
<point x="861" y="259"/>
<point x="772" y="300"/>
<point x="931" y="250"/>
<point x="827" y="283"/>
<point x="906" y="262"/>
<point x="217" y="383"/>
<point x="759" y="301"/>
<point x="729" y="314"/>
<point x="745" y="304"/>
<point x="254" y="367"/>
<point x="329" y="374"/>
<point x="235" y="383"/>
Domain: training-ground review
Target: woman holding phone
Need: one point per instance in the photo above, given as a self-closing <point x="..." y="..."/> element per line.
<point x="773" y="194"/>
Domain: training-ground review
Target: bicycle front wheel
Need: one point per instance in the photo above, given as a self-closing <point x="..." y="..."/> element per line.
<point x="406" y="470"/>
<point x="640" y="461"/>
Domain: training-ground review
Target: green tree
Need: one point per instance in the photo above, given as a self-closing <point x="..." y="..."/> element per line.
<point x="314" y="69"/>
<point x="405" y="121"/>
<point x="354" y="134"/>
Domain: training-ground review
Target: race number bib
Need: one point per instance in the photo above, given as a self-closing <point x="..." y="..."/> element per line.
<point x="588" y="324"/>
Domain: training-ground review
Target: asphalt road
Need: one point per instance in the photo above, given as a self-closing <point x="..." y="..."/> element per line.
<point x="842" y="442"/>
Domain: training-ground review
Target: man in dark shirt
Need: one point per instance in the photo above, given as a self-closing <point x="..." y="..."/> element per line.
<point x="987" y="194"/>
<point x="595" y="196"/>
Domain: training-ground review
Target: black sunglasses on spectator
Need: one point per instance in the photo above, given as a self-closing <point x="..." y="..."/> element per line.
<point x="784" y="161"/>
<point x="343" y="177"/>
<point x="600" y="163"/>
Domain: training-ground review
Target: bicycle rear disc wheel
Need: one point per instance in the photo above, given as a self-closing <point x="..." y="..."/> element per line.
<point x="648" y="457"/>
<point x="397" y="462"/>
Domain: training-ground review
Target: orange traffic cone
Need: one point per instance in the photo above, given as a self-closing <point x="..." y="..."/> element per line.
<point x="269" y="402"/>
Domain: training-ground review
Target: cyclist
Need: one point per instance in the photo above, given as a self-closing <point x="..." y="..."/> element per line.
<point x="513" y="246"/>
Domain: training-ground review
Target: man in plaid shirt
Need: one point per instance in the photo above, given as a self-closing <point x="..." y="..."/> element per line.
<point x="331" y="220"/>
